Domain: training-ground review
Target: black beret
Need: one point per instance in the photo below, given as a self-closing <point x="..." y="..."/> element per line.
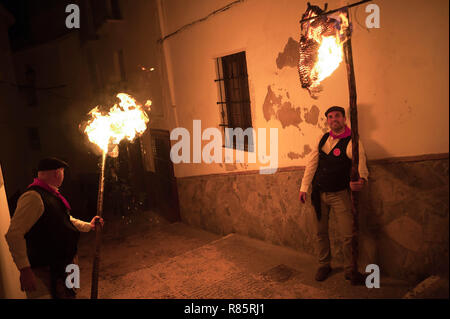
<point x="335" y="108"/>
<point x="51" y="163"/>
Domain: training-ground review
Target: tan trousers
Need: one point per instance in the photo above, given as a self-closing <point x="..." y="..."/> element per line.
<point x="340" y="204"/>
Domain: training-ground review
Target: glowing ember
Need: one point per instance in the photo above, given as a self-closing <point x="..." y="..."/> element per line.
<point x="321" y="47"/>
<point x="124" y="121"/>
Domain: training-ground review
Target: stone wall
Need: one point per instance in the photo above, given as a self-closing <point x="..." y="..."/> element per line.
<point x="404" y="223"/>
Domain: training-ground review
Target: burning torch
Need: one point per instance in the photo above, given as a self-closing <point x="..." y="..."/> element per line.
<point x="125" y="120"/>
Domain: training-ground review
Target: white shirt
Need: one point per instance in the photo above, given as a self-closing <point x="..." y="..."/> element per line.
<point x="29" y="209"/>
<point x="313" y="160"/>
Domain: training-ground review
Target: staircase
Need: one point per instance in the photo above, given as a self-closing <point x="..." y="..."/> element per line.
<point x="150" y="258"/>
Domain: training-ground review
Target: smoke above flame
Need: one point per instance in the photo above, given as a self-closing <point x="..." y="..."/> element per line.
<point x="125" y="120"/>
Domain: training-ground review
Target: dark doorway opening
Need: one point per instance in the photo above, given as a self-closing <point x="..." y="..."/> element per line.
<point x="161" y="182"/>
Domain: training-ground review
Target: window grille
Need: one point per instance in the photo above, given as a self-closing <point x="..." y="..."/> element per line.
<point x="234" y="97"/>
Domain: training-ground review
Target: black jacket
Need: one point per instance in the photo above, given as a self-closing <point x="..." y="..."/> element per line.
<point x="333" y="171"/>
<point x="53" y="239"/>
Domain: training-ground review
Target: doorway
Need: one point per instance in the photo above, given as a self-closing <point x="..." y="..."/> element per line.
<point x="160" y="179"/>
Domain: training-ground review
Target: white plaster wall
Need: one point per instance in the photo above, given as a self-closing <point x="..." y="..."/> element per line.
<point x="401" y="73"/>
<point x="9" y="274"/>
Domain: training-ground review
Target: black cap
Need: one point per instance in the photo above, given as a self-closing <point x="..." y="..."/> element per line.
<point x="51" y="163"/>
<point x="335" y="108"/>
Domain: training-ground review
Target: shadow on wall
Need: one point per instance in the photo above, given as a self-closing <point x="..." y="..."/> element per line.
<point x="403" y="213"/>
<point x="367" y="114"/>
<point x="407" y="212"/>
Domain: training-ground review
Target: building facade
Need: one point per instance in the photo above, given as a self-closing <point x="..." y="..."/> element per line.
<point x="402" y="114"/>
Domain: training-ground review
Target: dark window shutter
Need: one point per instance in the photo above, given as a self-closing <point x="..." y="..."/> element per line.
<point x="237" y="96"/>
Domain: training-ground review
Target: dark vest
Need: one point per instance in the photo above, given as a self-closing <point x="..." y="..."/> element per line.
<point x="333" y="171"/>
<point x="53" y="239"/>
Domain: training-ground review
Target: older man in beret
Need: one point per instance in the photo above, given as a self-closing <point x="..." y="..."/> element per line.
<point x="43" y="236"/>
<point x="328" y="170"/>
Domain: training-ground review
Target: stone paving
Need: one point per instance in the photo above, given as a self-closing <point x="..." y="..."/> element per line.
<point x="163" y="261"/>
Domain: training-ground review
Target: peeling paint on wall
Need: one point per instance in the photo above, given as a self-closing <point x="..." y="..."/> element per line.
<point x="290" y="55"/>
<point x="269" y="101"/>
<point x="312" y="116"/>
<point x="306" y="150"/>
<point x="285" y="112"/>
<point x="324" y="128"/>
<point x="293" y="155"/>
<point x="288" y="115"/>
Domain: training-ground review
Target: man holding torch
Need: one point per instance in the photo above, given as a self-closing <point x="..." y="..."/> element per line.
<point x="328" y="170"/>
<point x="43" y="236"/>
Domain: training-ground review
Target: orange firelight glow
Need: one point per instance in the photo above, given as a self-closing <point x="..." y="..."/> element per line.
<point x="330" y="52"/>
<point x="123" y="121"/>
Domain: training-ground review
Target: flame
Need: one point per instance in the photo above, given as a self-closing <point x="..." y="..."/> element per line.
<point x="330" y="52"/>
<point x="329" y="57"/>
<point x="124" y="121"/>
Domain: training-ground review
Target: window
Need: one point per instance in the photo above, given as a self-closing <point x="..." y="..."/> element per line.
<point x="234" y="98"/>
<point x="34" y="139"/>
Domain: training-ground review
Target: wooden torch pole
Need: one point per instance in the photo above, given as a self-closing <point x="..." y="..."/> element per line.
<point x="354" y="175"/>
<point x="98" y="231"/>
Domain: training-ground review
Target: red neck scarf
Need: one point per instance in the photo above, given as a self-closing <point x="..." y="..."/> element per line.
<point x="347" y="132"/>
<point x="42" y="184"/>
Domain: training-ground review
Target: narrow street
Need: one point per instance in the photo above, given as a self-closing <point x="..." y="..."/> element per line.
<point x="149" y="258"/>
<point x="229" y="145"/>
